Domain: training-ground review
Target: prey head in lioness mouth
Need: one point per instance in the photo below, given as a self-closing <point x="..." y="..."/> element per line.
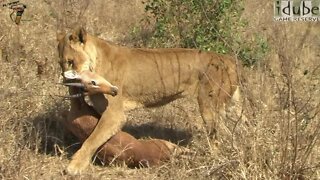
<point x="90" y="82"/>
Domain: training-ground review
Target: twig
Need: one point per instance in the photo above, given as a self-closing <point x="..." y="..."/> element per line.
<point x="214" y="169"/>
<point x="234" y="128"/>
<point x="198" y="168"/>
<point x="2" y="37"/>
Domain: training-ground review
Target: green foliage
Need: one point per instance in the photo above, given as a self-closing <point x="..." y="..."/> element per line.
<point x="212" y="25"/>
<point x="253" y="51"/>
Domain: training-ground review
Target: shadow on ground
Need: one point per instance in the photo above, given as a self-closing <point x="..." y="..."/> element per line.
<point x="150" y="130"/>
<point x="49" y="134"/>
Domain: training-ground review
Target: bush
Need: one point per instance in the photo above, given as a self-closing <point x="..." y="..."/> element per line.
<point x="202" y="24"/>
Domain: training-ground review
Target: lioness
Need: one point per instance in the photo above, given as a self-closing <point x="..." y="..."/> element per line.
<point x="145" y="77"/>
<point x="122" y="147"/>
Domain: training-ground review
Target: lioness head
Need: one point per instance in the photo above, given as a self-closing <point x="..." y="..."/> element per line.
<point x="75" y="52"/>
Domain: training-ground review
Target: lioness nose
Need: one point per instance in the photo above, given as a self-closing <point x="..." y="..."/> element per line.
<point x="114" y="90"/>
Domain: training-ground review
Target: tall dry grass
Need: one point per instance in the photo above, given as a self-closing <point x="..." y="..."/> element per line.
<point x="276" y="135"/>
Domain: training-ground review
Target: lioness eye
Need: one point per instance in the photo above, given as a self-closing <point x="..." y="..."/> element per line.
<point x="94" y="83"/>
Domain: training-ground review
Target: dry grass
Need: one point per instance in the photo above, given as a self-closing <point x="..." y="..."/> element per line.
<point x="279" y="138"/>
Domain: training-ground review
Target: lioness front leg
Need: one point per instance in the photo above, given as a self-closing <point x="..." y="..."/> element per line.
<point x="109" y="124"/>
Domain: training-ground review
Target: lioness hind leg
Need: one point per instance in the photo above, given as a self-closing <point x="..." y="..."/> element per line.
<point x="109" y="124"/>
<point x="207" y="110"/>
<point x="216" y="86"/>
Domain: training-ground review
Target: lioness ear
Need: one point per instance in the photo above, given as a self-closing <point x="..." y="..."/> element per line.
<point x="79" y="34"/>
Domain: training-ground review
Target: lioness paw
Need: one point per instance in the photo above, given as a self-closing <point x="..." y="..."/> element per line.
<point x="77" y="167"/>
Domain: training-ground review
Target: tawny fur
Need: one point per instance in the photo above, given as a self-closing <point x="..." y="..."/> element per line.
<point x="145" y="77"/>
